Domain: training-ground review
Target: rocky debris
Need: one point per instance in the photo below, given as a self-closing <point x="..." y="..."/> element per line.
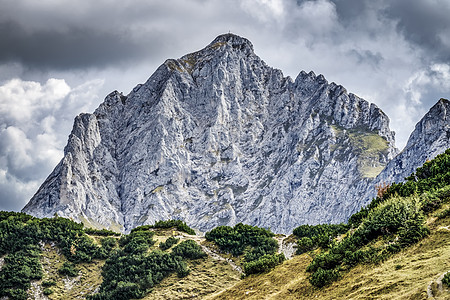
<point x="215" y="138"/>
<point x="36" y="292"/>
<point x="438" y="286"/>
<point x="285" y="247"/>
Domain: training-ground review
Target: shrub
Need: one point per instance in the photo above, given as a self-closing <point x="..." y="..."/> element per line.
<point x="137" y="241"/>
<point x="101" y="232"/>
<point x="430" y="202"/>
<point x="48" y="291"/>
<point x="305" y="244"/>
<point x="446" y="279"/>
<point x="178" y="224"/>
<point x="252" y="241"/>
<point x="235" y="239"/>
<point x="263" y="264"/>
<point x="321" y="235"/>
<point x="48" y="283"/>
<point x="68" y="269"/>
<point x="188" y="249"/>
<point x="182" y="270"/>
<point x="168" y="243"/>
<point x="323" y="277"/>
<point x="356" y="219"/>
<point x="394" y="217"/>
<point x="445" y="213"/>
<point x="108" y="243"/>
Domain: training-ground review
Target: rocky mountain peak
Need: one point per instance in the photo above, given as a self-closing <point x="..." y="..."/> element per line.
<point x="217" y="137"/>
<point x="434" y="125"/>
<point x="232" y="41"/>
<point x="430" y="137"/>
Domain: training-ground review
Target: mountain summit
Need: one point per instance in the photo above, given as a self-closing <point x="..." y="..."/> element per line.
<point x="430" y="138"/>
<point x="218" y="137"/>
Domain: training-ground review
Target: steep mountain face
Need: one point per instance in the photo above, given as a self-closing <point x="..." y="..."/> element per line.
<point x="430" y="138"/>
<point x="215" y="138"/>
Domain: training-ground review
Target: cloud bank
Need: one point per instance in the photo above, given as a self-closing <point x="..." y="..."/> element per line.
<point x="35" y="121"/>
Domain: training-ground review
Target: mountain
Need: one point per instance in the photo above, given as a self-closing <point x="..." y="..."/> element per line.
<point x="215" y="138"/>
<point x="430" y="137"/>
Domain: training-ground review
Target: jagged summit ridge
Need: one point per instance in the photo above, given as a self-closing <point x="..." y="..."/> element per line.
<point x="218" y="137"/>
<point x="430" y="137"/>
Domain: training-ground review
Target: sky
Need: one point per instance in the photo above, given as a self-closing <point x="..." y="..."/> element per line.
<point x="59" y="58"/>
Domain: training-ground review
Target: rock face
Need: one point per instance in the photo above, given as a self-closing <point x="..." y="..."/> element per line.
<point x="430" y="138"/>
<point x="215" y="138"/>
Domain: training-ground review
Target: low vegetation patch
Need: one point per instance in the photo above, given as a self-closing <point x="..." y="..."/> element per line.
<point x="391" y="222"/>
<point x="168" y="243"/>
<point x="311" y="237"/>
<point x="256" y="245"/>
<point x="132" y="271"/>
<point x="178" y="224"/>
<point x="446" y="279"/>
<point x="20" y="240"/>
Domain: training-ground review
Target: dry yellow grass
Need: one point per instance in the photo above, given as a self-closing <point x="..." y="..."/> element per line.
<point x="207" y="277"/>
<point x="65" y="287"/>
<point x="405" y="275"/>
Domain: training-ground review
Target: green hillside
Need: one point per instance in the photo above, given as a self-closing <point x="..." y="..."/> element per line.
<point x="398" y="247"/>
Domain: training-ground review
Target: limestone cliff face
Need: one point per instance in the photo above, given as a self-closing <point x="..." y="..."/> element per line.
<point x="215" y="138"/>
<point x="430" y="138"/>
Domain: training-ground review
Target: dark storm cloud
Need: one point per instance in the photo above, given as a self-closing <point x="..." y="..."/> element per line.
<point x="426" y="23"/>
<point x="75" y="47"/>
<point x="366" y="57"/>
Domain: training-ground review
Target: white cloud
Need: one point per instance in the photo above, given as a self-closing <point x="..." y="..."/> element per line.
<point x="35" y="120"/>
<point x="264" y="10"/>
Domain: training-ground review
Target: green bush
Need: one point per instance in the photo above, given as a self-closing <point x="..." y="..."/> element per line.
<point x="305" y="244"/>
<point x="168" y="243"/>
<point x="20" y="236"/>
<point x="446" y="279"/>
<point x="263" y="264"/>
<point x="445" y="213"/>
<point x="132" y="271"/>
<point x="48" y="291"/>
<point x="137" y="241"/>
<point x="183" y="270"/>
<point x="399" y="219"/>
<point x="356" y="219"/>
<point x="188" y="249"/>
<point x="323" y="277"/>
<point x="178" y="224"/>
<point x="48" y="283"/>
<point x="68" y="269"/>
<point x="19" y="269"/>
<point x="101" y="232"/>
<point x="235" y="239"/>
<point x="315" y="236"/>
<point x="254" y="242"/>
<point x="108" y="243"/>
<point x="432" y="176"/>
<point x="330" y="230"/>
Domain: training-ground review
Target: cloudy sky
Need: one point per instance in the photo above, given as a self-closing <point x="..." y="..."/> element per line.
<point x="59" y="58"/>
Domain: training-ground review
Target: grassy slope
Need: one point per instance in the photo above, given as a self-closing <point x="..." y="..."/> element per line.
<point x="207" y="276"/>
<point x="405" y="275"/>
<point x="66" y="287"/>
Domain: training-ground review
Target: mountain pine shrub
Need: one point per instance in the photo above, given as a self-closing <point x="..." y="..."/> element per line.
<point x="446" y="279"/>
